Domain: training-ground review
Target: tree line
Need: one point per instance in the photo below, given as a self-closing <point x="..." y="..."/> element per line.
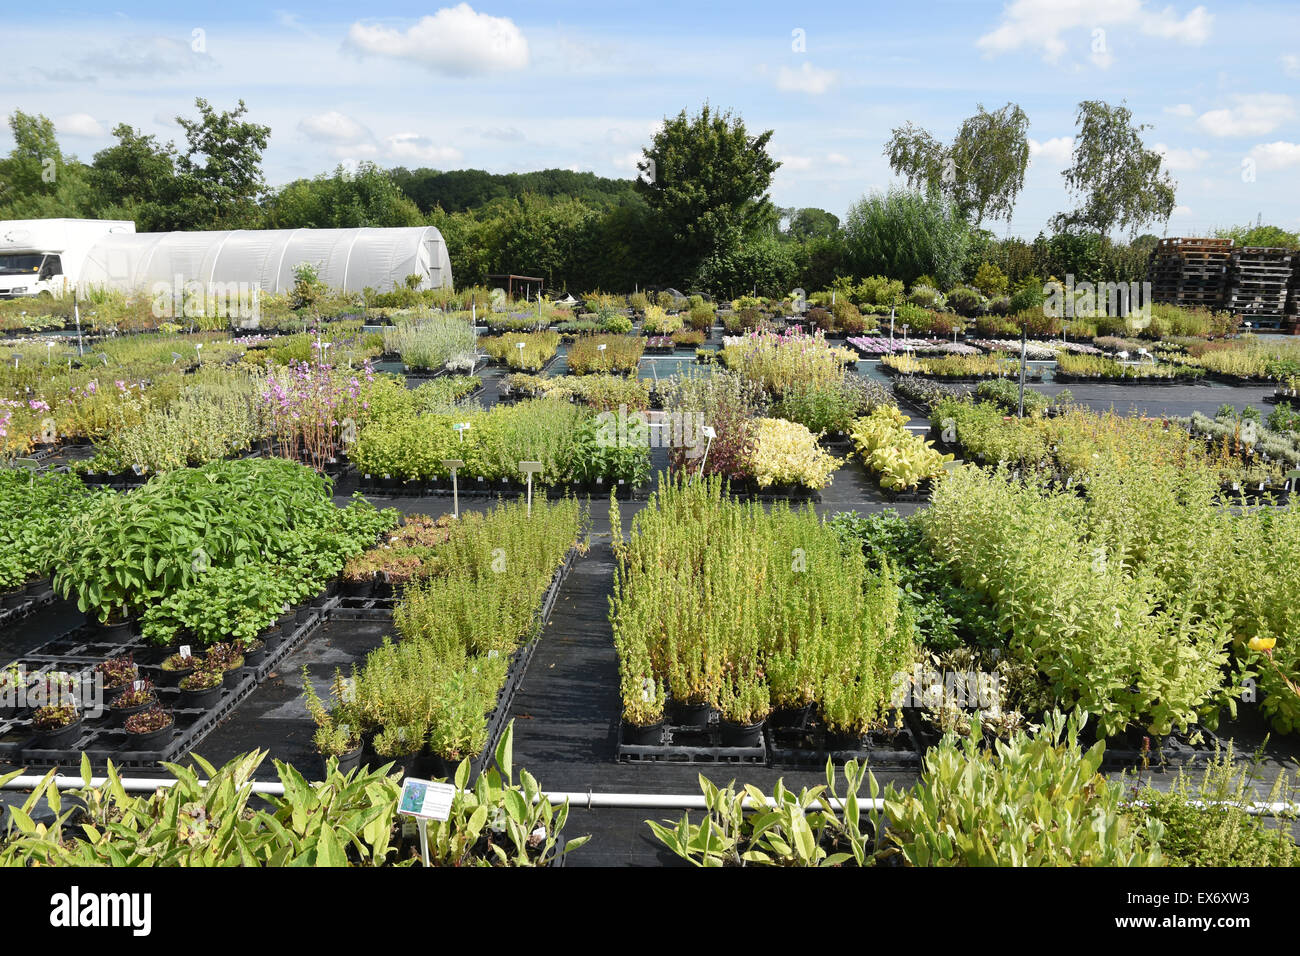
<point x="698" y="217"/>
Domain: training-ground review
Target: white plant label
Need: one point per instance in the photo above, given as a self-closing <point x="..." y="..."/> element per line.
<point x="185" y="651"/>
<point x="425" y="799"/>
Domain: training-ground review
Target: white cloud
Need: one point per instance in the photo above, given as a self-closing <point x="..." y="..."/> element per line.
<point x="1277" y="155"/>
<point x="1182" y="109"/>
<point x="79" y="124"/>
<point x="149" y="56"/>
<point x="455" y="41"/>
<point x="626" y="162"/>
<point x="1042" y="23"/>
<point x="1252" y="115"/>
<point x="806" y="79"/>
<point x="353" y="151"/>
<point x="1291" y="65"/>
<point x="838" y="159"/>
<point x="1058" y="149"/>
<point x="795" y="163"/>
<point x="417" y="147"/>
<point x="334" y="127"/>
<point x="1181" y="159"/>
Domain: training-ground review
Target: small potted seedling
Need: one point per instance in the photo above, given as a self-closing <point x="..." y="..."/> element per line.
<point x="139" y="696"/>
<point x="56" y="725"/>
<point x="202" y="688"/>
<point x="149" y="728"/>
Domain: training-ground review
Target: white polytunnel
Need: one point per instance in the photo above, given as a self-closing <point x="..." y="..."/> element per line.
<point x="347" y="259"/>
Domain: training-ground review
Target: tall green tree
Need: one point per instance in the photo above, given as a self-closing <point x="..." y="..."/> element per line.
<point x="810" y="222"/>
<point x="36" y="180"/>
<point x="981" y="172"/>
<point x="706" y="180"/>
<point x="136" y="179"/>
<point x="346" y="199"/>
<point x="220" y="172"/>
<point x="1117" y="181"/>
<point x="904" y="234"/>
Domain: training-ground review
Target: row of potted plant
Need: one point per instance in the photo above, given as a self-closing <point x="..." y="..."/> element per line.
<point x="529" y="351"/>
<point x="571" y="441"/>
<point x="729" y="607"/>
<point x="463" y="613"/>
<point x="901" y="460"/>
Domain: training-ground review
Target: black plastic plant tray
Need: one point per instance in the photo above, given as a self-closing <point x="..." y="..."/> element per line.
<point x="32" y="602"/>
<point x="691" y="745"/>
<point x="102" y="742"/>
<point x="795" y="748"/>
<point x="375" y="486"/>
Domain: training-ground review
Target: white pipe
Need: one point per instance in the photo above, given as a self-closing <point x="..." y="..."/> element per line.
<point x="576" y="798"/>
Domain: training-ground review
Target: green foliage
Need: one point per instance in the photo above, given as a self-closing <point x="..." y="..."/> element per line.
<point x="707" y="188"/>
<point x="458" y="625"/>
<point x="343" y="820"/>
<point x="743" y="827"/>
<point x="990" y="280"/>
<point x="33" y="509"/>
<point x="1032" y="801"/>
<point x="1071" y="606"/>
<point x="498" y="822"/>
<point x="1118" y="181"/>
<point x="1205" y="820"/>
<point x="126" y="552"/>
<point x="946" y="614"/>
<point x="983" y="170"/>
<point x="904" y="235"/>
<point x="803" y="620"/>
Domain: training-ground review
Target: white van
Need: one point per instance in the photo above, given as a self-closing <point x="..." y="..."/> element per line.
<point x="44" y="256"/>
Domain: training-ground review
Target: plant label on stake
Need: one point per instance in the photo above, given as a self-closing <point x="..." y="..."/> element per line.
<point x="530" y="468"/>
<point x="425" y="800"/>
<point x="460" y="428"/>
<point x="710" y="434"/>
<point x="453" y="465"/>
<point x="185" y="652"/>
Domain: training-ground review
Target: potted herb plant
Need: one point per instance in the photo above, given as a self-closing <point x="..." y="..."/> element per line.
<point x="744" y="705"/>
<point x="148" y="728"/>
<point x="202" y="688"/>
<point x="400" y="746"/>
<point x="56" y="725"/>
<point x="137" y="697"/>
<point x="227" y="659"/>
<point x="13" y="686"/>
<point x="118" y="673"/>
<point x="643" y="707"/>
<point x="338" y="725"/>
<point x="177" y="666"/>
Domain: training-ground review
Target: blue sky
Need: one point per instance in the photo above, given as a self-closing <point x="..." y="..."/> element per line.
<point x="512" y="86"/>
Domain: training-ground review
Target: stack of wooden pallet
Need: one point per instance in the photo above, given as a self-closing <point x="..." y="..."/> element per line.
<point x="1293" y="297"/>
<point x="1189" y="272"/>
<point x="1258" y="279"/>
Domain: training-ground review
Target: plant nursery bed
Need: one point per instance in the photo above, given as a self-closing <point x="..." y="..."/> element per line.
<point x="381" y="609"/>
<point x="99" y="739"/>
<point x="690" y="745"/>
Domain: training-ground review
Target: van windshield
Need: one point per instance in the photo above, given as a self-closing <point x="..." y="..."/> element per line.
<point x="17" y="263"/>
